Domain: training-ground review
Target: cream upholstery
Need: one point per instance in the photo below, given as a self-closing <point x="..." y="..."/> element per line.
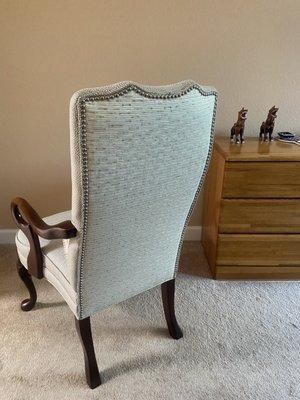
<point x="138" y="158"/>
<point x="54" y="252"/>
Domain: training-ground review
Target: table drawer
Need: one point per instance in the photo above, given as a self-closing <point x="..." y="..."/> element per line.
<point x="259" y="216"/>
<point x="262" y="180"/>
<point x="258" y="250"/>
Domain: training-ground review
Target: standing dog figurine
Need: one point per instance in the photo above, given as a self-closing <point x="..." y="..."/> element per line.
<point x="267" y="126"/>
<point x="238" y="128"/>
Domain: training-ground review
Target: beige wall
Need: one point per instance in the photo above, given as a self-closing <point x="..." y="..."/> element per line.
<point x="249" y="50"/>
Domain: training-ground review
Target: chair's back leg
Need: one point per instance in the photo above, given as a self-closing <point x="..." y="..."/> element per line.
<point x="168" y="292"/>
<point x="27" y="304"/>
<point x="83" y="327"/>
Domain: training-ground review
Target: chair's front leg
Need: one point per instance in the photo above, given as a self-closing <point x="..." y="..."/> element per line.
<point x="168" y="292"/>
<point x="83" y="327"/>
<point x="27" y="304"/>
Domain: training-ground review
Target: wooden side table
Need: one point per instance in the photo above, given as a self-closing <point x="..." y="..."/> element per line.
<point x="251" y="222"/>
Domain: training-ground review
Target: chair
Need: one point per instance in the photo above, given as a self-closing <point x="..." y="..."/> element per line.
<point x="138" y="159"/>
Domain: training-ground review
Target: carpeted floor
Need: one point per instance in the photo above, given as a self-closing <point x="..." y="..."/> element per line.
<point x="241" y="341"/>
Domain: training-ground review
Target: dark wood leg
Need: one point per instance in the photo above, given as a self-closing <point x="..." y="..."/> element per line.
<point x="83" y="327"/>
<point x="168" y="291"/>
<point x="27" y="304"/>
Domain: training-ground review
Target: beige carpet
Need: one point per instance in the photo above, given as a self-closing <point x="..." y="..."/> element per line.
<point x="241" y="341"/>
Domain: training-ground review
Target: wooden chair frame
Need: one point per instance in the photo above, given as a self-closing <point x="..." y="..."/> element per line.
<point x="33" y="226"/>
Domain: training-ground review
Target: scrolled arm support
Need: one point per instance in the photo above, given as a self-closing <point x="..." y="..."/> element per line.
<point x="32" y="225"/>
<point x="23" y="213"/>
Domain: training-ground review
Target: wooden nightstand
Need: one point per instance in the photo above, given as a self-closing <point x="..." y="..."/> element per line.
<point x="251" y="222"/>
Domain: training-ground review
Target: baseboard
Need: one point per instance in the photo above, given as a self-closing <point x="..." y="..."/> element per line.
<point x="7" y="236"/>
<point x="193" y="233"/>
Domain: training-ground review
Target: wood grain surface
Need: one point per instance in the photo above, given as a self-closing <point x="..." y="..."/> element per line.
<point x="260" y="216"/>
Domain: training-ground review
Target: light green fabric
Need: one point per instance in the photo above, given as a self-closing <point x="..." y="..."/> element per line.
<point x="137" y="164"/>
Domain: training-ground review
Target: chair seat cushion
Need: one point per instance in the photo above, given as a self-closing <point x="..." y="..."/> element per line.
<point x="55" y="260"/>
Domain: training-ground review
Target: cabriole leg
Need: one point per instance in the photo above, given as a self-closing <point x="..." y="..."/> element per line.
<point x="168" y="292"/>
<point x="83" y="327"/>
<point x="27" y="304"/>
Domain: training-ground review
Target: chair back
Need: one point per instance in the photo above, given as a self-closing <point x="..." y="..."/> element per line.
<point x="138" y="158"/>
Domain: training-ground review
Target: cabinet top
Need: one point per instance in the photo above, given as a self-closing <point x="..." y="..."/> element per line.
<point x="254" y="150"/>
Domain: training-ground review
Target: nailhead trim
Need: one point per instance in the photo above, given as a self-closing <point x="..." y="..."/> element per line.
<point x="81" y="109"/>
<point x="212" y="132"/>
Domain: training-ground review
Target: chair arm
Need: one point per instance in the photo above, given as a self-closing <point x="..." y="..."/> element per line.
<point x="32" y="225"/>
<point x="24" y="214"/>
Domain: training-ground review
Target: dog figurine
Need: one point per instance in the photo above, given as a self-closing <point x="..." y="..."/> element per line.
<point x="237" y="131"/>
<point x="267" y="127"/>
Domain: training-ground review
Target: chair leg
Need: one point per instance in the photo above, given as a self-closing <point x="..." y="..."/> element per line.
<point x="168" y="291"/>
<point x="83" y="327"/>
<point x="27" y="304"/>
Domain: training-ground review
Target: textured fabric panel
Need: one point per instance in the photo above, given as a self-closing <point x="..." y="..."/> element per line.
<point x="143" y="158"/>
<point x="78" y="97"/>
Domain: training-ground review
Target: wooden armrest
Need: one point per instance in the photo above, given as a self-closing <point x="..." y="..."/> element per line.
<point x="24" y="214"/>
<point x="32" y="225"/>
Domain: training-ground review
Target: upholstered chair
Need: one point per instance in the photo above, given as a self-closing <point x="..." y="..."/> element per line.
<point x="138" y="159"/>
